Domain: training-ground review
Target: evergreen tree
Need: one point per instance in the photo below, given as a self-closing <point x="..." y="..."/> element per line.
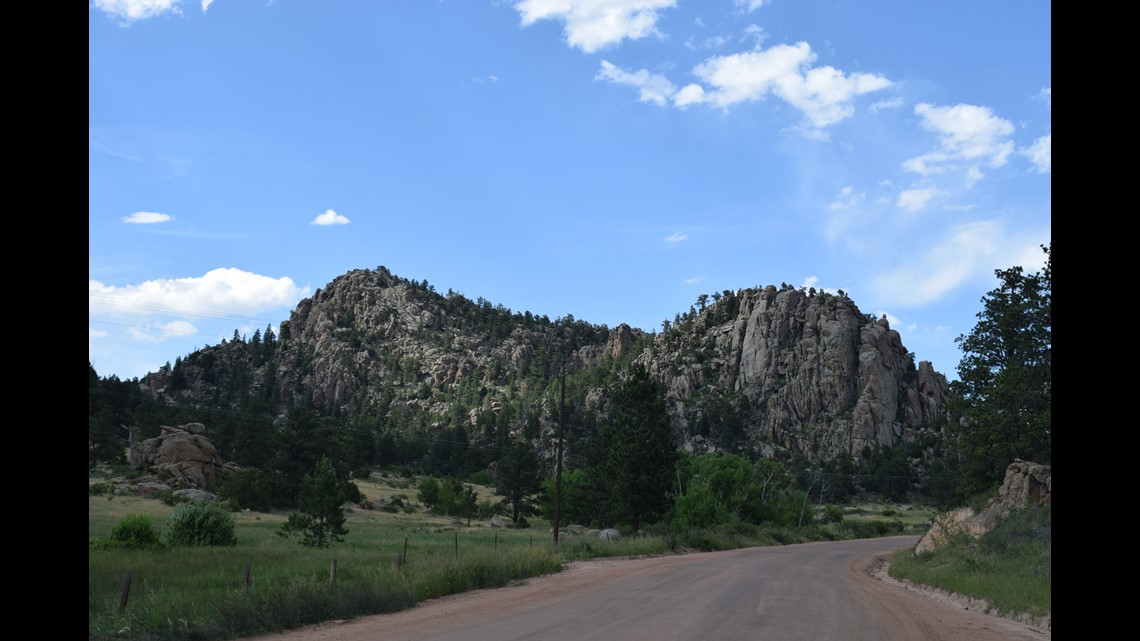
<point x="1005" y="379"/>
<point x="320" y="520"/>
<point x="518" y="480"/>
<point x="642" y="456"/>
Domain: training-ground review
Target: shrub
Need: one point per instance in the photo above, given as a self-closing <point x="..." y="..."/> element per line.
<point x="201" y="524"/>
<point x="1021" y="528"/>
<point x="96" y="489"/>
<point x="831" y="514"/>
<point x="134" y="531"/>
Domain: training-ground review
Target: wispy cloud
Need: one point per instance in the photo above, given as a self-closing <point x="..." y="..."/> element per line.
<point x="132" y="10"/>
<point x="676" y="237"/>
<point x="967" y="252"/>
<point x="651" y="87"/>
<point x="158" y="332"/>
<point x="206" y="5"/>
<point x="330" y="217"/>
<point x="965" y="132"/>
<point x="751" y="5"/>
<point x="914" y="199"/>
<point x="823" y="94"/>
<point x="591" y="25"/>
<point x="694" y="280"/>
<point x="846" y="199"/>
<point x="890" y="103"/>
<point x="147" y="218"/>
<point x="1040" y="153"/>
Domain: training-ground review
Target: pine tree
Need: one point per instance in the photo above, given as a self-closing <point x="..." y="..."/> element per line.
<point x="643" y="457"/>
<point x="320" y="520"/>
<point x="518" y="480"/>
<point x="1005" y="376"/>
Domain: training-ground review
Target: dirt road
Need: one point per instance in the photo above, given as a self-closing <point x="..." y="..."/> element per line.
<point x="810" y="592"/>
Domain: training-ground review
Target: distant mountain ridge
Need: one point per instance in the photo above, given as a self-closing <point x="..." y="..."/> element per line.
<point x="763" y="371"/>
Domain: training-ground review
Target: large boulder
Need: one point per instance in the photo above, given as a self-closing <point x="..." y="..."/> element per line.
<point x="1025" y="485"/>
<point x="183" y="454"/>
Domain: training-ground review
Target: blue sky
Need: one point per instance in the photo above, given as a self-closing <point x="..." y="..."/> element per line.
<point x="606" y="159"/>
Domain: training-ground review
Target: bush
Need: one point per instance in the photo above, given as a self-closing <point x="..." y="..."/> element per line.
<point x="201" y="524"/>
<point x="96" y="489"/>
<point x="831" y="514"/>
<point x="134" y="532"/>
<point x="1021" y="528"/>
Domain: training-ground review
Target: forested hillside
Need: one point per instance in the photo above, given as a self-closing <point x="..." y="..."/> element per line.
<point x="375" y="370"/>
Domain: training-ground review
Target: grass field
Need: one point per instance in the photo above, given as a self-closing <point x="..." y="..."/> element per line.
<point x="388" y="562"/>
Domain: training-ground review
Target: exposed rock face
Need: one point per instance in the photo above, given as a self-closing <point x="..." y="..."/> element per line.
<point x="762" y="371"/>
<point x="1025" y="485"/>
<point x="811" y="374"/>
<point x="184" y="453"/>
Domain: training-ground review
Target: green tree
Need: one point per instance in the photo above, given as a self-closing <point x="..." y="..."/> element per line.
<point x="642" y="458"/>
<point x="518" y="481"/>
<point x="320" y="520"/>
<point x="1005" y="379"/>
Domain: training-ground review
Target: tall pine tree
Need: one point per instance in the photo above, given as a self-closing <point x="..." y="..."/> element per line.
<point x="642" y="456"/>
<point x="1005" y="376"/>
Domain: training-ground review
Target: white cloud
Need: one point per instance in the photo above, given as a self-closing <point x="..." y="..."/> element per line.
<point x="958" y="207"/>
<point x="890" y="103"/>
<point x="591" y="25"/>
<point x="131" y="10"/>
<point x="1046" y="94"/>
<point x="651" y="87"/>
<point x="966" y="253"/>
<point x="810" y="281"/>
<point x="712" y="42"/>
<point x="966" y="132"/>
<point x="330" y="217"/>
<point x="846" y="199"/>
<point x="973" y="175"/>
<point x="694" y="280"/>
<point x="1040" y="153"/>
<point x="689" y="95"/>
<point x="95" y="333"/>
<point x="676" y="237"/>
<point x="823" y="94"/>
<point x="751" y="5"/>
<point x="158" y="332"/>
<point x="914" y="199"/>
<point x="147" y="218"/>
<point x="755" y="33"/>
<point x="219" y="291"/>
<point x="206" y="5"/>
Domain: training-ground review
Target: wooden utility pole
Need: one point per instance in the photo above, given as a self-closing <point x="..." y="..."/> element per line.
<point x="558" y="465"/>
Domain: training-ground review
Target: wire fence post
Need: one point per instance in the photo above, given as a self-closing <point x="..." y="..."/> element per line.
<point x="245" y="578"/>
<point x="332" y="572"/>
<point x="457" y="544"/>
<point x="126" y="591"/>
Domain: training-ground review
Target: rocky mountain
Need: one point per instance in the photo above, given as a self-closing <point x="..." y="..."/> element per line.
<point x="766" y="371"/>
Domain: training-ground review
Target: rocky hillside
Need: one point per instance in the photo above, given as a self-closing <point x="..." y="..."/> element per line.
<point x="765" y="371"/>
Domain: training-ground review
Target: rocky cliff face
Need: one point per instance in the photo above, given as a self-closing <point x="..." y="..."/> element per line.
<point x="806" y="373"/>
<point x="759" y="371"/>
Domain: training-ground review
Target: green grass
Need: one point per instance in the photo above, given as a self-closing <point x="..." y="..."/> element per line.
<point x="1008" y="567"/>
<point x="198" y="594"/>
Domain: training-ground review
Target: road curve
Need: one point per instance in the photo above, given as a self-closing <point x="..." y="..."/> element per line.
<point x="808" y="592"/>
